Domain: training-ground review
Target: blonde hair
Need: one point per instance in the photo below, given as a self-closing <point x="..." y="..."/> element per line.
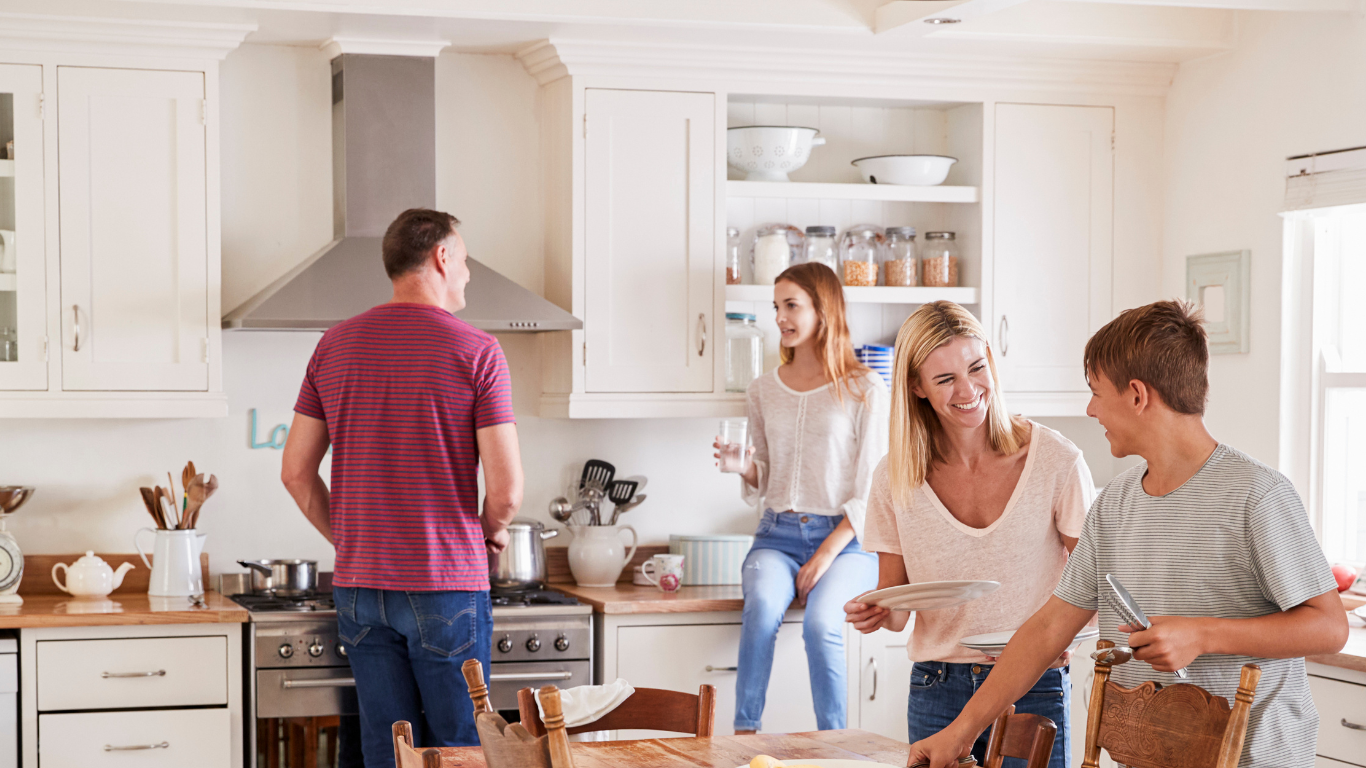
<point x="917" y="438"/>
<point x="833" y="347"/>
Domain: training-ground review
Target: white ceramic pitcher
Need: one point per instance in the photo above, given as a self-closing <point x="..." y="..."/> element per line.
<point x="597" y="554"/>
<point x="175" y="562"/>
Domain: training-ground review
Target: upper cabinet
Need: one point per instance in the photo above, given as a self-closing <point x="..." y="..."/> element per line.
<point x="1054" y="223"/>
<point x="23" y="300"/>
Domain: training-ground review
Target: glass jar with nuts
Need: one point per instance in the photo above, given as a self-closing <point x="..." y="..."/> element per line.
<point x="859" y="251"/>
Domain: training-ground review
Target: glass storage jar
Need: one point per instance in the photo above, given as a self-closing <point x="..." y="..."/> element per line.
<point x="939" y="260"/>
<point x="859" y="250"/>
<point x="732" y="256"/>
<point x="744" y="351"/>
<point x="821" y="247"/>
<point x="899" y="259"/>
<point x="775" y="248"/>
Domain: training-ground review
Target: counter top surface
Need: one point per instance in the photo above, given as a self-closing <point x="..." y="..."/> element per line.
<point x="118" y="609"/>
<point x="1353" y="655"/>
<point x="629" y="598"/>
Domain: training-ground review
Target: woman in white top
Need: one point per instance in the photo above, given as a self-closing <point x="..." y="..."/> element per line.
<point x="819" y="425"/>
<point x="968" y="492"/>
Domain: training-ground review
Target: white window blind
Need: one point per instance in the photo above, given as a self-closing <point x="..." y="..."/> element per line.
<point x="1326" y="179"/>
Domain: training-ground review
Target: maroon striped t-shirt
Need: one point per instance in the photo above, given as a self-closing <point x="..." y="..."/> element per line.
<point x="403" y="387"/>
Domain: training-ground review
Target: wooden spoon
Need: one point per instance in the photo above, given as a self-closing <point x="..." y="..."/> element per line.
<point x="153" y="506"/>
<point x="200" y="489"/>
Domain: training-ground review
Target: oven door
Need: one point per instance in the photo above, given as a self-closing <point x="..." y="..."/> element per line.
<point x="509" y="677"/>
<point x="306" y="692"/>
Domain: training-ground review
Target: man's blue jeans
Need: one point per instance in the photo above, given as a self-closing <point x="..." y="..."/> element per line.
<point x="406" y="649"/>
<point x="783" y="543"/>
<point x="940" y="690"/>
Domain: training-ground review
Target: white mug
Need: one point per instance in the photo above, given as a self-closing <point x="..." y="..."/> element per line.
<point x="664" y="571"/>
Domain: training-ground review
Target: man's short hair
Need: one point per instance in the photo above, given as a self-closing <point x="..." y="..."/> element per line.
<point x="1162" y="345"/>
<point x="410" y="239"/>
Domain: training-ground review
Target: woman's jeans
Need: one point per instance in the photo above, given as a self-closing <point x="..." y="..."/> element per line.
<point x="783" y="543"/>
<point x="406" y="649"/>
<point x="940" y="690"/>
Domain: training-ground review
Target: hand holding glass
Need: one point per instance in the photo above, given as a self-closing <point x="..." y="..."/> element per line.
<point x="732" y="446"/>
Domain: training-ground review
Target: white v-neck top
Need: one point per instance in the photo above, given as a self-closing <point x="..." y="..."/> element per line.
<point x="813" y="453"/>
<point x="1023" y="549"/>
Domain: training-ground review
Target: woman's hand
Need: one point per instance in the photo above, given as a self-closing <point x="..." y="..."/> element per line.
<point x="811" y="573"/>
<point x="870" y="618"/>
<point x="751" y="473"/>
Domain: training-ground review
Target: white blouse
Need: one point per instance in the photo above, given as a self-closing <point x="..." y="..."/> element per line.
<point x="813" y="453"/>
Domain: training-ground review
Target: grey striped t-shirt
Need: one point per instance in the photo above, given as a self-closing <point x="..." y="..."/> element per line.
<point x="1234" y="542"/>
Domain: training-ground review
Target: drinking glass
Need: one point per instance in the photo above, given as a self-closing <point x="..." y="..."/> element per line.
<point x="734" y="445"/>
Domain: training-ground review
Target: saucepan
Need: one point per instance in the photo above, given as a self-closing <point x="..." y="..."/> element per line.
<point x="285" y="578"/>
<point x="521" y="565"/>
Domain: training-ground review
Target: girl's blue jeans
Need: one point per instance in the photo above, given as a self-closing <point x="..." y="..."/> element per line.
<point x="782" y="545"/>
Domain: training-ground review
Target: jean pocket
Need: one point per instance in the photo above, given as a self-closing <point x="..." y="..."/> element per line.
<point x="1050" y="686"/>
<point x="925" y="675"/>
<point x="766" y="523"/>
<point x="349" y="629"/>
<point x="447" y="622"/>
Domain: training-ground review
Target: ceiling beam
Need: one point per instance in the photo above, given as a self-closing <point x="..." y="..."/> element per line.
<point x="915" y="18"/>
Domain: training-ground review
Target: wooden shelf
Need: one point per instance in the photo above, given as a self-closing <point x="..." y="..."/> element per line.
<point x="869" y="295"/>
<point x="9" y="281"/>
<point x="885" y="192"/>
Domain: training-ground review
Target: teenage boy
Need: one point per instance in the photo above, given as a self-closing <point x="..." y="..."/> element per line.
<point x="1213" y="545"/>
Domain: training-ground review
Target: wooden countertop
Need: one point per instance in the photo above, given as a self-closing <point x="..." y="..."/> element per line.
<point x="1353" y="655"/>
<point x="120" y="608"/>
<point x="715" y="752"/>
<point x="625" y="598"/>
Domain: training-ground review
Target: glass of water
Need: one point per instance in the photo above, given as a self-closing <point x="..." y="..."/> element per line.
<point x="734" y="445"/>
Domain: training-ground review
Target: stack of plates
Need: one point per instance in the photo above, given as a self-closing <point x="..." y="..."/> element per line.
<point x="879" y="358"/>
<point x="994" y="644"/>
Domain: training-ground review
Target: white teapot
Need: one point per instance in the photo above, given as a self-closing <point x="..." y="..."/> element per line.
<point x="90" y="576"/>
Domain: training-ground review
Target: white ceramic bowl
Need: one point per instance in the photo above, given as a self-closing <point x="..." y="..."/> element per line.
<point x="770" y="152"/>
<point x="910" y="170"/>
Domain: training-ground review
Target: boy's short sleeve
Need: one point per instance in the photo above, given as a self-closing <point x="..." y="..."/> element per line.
<point x="1079" y="584"/>
<point x="1286" y="559"/>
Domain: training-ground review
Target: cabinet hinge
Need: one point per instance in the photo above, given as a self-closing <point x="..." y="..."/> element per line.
<point x="45" y="353"/>
<point x="585" y="125"/>
<point x="203" y="111"/>
<point x="206" y="349"/>
<point x="42" y="102"/>
<point x="585" y="353"/>
<point x="1112" y="141"/>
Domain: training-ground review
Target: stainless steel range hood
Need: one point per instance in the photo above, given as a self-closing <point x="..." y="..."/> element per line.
<point x="383" y="162"/>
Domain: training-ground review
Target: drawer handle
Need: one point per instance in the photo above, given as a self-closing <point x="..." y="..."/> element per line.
<point x="518" y="676"/>
<point x="710" y="668"/>
<point x="1353" y="726"/>
<point x="162" y="745"/>
<point x="158" y="673"/>
<point x="334" y="682"/>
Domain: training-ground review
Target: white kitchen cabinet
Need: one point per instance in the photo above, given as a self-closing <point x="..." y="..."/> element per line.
<point x="23" y="301"/>
<point x="884" y="682"/>
<point x="1054" y="219"/>
<point x="1341" y="702"/>
<point x="134" y="249"/>
<point x="161" y="739"/>
<point x="650" y="267"/>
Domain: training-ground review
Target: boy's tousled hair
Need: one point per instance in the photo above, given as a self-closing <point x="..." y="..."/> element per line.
<point x="1162" y="345"/>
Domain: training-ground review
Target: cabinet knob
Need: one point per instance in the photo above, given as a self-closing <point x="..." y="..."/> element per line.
<point x="1004" y="335"/>
<point x="76" y="325"/>
<point x="702" y="336"/>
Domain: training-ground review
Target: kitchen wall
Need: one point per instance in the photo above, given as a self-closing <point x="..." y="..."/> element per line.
<point x="276" y="210"/>
<point x="1293" y="86"/>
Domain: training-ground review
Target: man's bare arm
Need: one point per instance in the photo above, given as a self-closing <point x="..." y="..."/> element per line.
<point x="501" y="458"/>
<point x="304" y="451"/>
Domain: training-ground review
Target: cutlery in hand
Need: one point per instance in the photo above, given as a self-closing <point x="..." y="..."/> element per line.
<point x="1128" y="610"/>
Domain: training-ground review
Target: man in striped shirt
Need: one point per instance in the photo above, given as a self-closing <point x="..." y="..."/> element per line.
<point x="412" y="402"/>
<point x="1212" y="544"/>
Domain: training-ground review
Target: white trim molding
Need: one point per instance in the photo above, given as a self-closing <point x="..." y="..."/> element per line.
<point x="336" y="46"/>
<point x="133" y="37"/>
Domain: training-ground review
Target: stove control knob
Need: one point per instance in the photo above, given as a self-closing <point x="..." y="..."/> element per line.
<point x="561" y="643"/>
<point x="533" y="644"/>
<point x="286" y="650"/>
<point x="505" y="645"/>
<point x="341" y="650"/>
<point x="316" y="648"/>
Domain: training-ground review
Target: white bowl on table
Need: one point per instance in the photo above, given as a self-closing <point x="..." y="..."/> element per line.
<point x="770" y="152"/>
<point x="907" y="170"/>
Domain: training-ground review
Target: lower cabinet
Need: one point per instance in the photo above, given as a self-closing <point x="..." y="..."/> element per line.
<point x="1340" y="697"/>
<point x="169" y="738"/>
<point x="884" y="682"/>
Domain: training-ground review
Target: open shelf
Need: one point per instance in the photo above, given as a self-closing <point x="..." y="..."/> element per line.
<point x="866" y="295"/>
<point x="6" y="168"/>
<point x="894" y="193"/>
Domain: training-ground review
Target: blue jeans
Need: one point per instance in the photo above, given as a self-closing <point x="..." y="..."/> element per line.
<point x="940" y="690"/>
<point x="406" y="649"/>
<point x="783" y="543"/>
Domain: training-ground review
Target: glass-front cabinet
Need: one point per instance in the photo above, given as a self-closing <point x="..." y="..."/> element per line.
<point x="23" y="315"/>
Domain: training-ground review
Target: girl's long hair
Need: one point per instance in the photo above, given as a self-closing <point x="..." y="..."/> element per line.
<point x="833" y="347"/>
<point x="917" y="438"/>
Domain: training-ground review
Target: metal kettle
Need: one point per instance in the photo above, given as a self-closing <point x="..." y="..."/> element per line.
<point x="522" y="564"/>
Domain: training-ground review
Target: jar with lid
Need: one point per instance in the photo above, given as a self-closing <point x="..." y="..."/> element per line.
<point x="732" y="256"/>
<point x="939" y="260"/>
<point x="859" y="251"/>
<point x="775" y="248"/>
<point x="744" y="351"/>
<point x="821" y="247"/>
<point x="899" y="259"/>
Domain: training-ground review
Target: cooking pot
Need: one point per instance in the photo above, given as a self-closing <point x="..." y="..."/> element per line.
<point x="285" y="578"/>
<point x="522" y="564"/>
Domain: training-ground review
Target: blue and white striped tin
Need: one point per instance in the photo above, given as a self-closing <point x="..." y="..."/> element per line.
<point x="711" y="560"/>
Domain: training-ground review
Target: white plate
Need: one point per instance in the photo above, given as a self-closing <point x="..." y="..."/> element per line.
<point x="929" y="595"/>
<point x="1361" y="612"/>
<point x="821" y="762"/>
<point x="992" y="644"/>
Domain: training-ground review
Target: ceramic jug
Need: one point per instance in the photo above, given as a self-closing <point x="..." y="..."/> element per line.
<point x="175" y="562"/>
<point x="597" y="554"/>
<point x="90" y="576"/>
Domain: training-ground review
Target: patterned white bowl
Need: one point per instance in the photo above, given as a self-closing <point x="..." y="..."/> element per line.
<point x="770" y="152"/>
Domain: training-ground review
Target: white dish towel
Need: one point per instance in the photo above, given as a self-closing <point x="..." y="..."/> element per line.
<point x="587" y="703"/>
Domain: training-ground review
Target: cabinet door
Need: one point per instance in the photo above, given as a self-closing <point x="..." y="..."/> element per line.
<point x="134" y="253"/>
<point x="649" y="208"/>
<point x="884" y="682"/>
<point x="1053" y="233"/>
<point x="23" y="281"/>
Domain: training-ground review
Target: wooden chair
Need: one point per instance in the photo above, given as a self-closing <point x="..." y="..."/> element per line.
<point x="651" y="709"/>
<point x="1177" y="726"/>
<point x="1028" y="737"/>
<point x="505" y="746"/>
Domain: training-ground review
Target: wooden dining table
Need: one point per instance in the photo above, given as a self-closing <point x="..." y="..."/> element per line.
<point x="716" y="751"/>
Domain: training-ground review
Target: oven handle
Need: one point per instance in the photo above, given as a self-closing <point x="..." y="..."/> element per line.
<point x="521" y="676"/>
<point x="328" y="682"/>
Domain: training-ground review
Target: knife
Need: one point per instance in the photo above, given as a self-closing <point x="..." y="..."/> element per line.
<point x="1128" y="610"/>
